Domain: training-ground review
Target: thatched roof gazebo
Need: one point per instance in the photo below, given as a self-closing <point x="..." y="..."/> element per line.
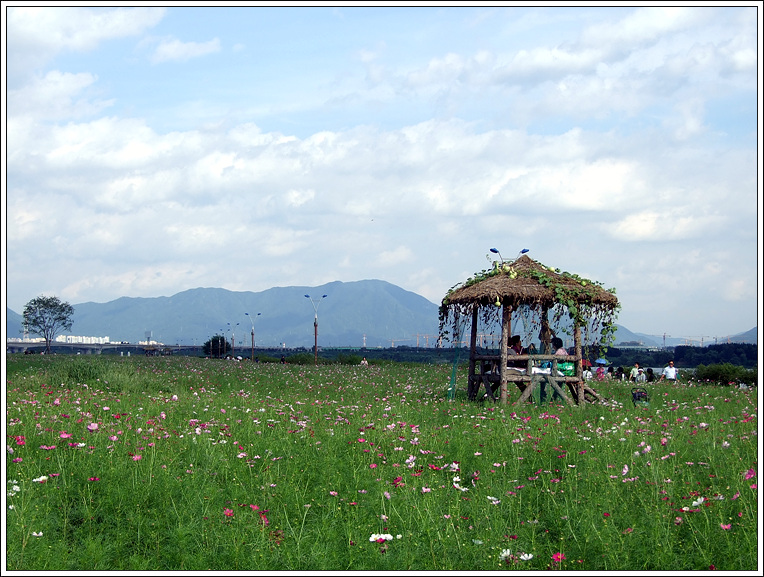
<point x="525" y="284"/>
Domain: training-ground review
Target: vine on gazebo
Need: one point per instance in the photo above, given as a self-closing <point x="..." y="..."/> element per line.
<point x="531" y="289"/>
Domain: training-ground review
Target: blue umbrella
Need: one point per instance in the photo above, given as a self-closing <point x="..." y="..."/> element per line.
<point x="602" y="361"/>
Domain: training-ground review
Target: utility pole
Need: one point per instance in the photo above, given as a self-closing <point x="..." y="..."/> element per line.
<point x="315" y="324"/>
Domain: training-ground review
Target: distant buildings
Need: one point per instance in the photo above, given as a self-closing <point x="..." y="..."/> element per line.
<point x="69" y="339"/>
<point x="72" y="339"/>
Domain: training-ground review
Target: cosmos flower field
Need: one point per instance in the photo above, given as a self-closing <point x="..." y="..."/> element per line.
<point x="193" y="464"/>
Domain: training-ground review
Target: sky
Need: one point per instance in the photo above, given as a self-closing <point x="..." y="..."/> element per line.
<point x="153" y="150"/>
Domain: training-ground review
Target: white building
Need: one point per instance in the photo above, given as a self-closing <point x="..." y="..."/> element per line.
<point x="73" y="339"/>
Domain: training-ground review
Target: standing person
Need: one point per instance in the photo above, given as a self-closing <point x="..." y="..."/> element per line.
<point x="634" y="372"/>
<point x="670" y="372"/>
<point x="364" y="362"/>
<point x="650" y="375"/>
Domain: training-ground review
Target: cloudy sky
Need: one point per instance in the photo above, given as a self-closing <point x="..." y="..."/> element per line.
<point x="154" y="150"/>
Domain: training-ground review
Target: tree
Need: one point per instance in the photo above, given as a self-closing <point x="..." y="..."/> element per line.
<point x="46" y="316"/>
<point x="217" y="346"/>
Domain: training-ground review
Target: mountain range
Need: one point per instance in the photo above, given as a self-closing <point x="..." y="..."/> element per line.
<point x="371" y="313"/>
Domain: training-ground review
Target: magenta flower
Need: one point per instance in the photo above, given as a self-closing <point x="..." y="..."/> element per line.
<point x="137" y="457"/>
<point x="94" y="479"/>
<point x="725" y="527"/>
<point x="373" y="466"/>
<point x="228" y="512"/>
<point x="65" y="435"/>
<point x="557" y="557"/>
<point x="93" y="427"/>
<point x="750" y="474"/>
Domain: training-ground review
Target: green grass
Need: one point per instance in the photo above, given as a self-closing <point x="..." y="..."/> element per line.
<point x="208" y="464"/>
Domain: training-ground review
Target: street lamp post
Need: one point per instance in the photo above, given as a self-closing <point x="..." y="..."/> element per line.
<point x="233" y="336"/>
<point x="253" y="333"/>
<point x="315" y="304"/>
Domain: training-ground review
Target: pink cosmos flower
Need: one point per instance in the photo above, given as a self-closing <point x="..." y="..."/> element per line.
<point x="65" y="435"/>
<point x="228" y="512"/>
<point x="137" y="457"/>
<point x="725" y="527"/>
<point x="94" y="479"/>
<point x="750" y="474"/>
<point x="557" y="557"/>
<point x="373" y="466"/>
<point x="93" y="427"/>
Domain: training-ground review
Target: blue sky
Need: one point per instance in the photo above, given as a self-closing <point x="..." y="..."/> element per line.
<point x="153" y="150"/>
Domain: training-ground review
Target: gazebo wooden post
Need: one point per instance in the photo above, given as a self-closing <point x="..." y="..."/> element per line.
<point x="471" y="379"/>
<point x="579" y="365"/>
<point x="546" y="333"/>
<point x="506" y="327"/>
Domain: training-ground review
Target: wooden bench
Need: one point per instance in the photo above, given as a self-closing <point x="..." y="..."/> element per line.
<point x="488" y="376"/>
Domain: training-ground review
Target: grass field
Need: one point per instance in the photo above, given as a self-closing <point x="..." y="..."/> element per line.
<point x="191" y="464"/>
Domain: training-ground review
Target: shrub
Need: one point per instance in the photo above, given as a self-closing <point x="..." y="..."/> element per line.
<point x="725" y="374"/>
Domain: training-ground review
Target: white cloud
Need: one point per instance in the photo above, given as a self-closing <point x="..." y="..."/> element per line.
<point x="642" y="26"/>
<point x="172" y="49"/>
<point x="397" y="256"/>
<point x="297" y="198"/>
<point x="56" y="95"/>
<point x="688" y="120"/>
<point x="37" y="34"/>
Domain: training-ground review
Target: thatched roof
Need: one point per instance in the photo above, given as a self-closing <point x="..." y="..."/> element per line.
<point x="528" y="282"/>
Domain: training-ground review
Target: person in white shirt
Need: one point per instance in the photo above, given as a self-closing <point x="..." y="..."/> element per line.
<point x="670" y="373"/>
